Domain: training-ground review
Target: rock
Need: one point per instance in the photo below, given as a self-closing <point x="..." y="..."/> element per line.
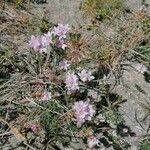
<point x="132" y="5"/>
<point x="136" y="5"/>
<point x="66" y="11"/>
<point x="133" y="110"/>
<point x="77" y="144"/>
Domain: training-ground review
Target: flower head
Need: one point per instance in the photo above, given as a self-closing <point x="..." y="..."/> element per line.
<point x="143" y="8"/>
<point x="34" y="43"/>
<point x="61" y="30"/>
<point x="86" y="75"/>
<point x="46" y="40"/>
<point x="46" y="96"/>
<point x="60" y="43"/>
<point x="83" y="111"/>
<point x="64" y="65"/>
<point x="125" y="130"/>
<point x="140" y="67"/>
<point x="92" y="141"/>
<point x="35" y="127"/>
<point x="40" y="43"/>
<point x="41" y="50"/>
<point x="71" y="82"/>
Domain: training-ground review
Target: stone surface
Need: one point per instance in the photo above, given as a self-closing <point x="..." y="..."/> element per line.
<point x="135" y="103"/>
<point x="135" y="5"/>
<point x="67" y="11"/>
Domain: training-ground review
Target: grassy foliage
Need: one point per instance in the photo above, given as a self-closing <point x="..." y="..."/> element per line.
<point x="26" y="74"/>
<point x="101" y="9"/>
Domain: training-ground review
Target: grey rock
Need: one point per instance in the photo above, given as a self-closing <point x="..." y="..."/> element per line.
<point x="132" y="5"/>
<point x="136" y="5"/>
<point x="133" y="110"/>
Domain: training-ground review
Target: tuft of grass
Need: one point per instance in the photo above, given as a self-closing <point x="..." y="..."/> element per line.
<point x="145" y="145"/>
<point x="45" y="25"/>
<point x="114" y="117"/>
<point x="35" y="73"/>
<point x="77" y="48"/>
<point x="101" y="9"/>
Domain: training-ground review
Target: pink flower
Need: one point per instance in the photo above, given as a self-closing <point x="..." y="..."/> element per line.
<point x="40" y="44"/>
<point x="64" y="65"/>
<point x="61" y="44"/>
<point x="45" y="40"/>
<point x="41" y="50"/>
<point x="71" y="82"/>
<point x="85" y="75"/>
<point x="34" y="43"/>
<point x="140" y="67"/>
<point x="92" y="141"/>
<point x="46" y="96"/>
<point x="61" y="30"/>
<point x="35" y="127"/>
<point x="143" y="8"/>
<point x="83" y="111"/>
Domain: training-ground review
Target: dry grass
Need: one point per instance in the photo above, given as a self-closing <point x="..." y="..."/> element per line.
<point x="24" y="75"/>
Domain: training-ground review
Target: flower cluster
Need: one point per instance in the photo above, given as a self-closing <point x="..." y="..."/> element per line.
<point x="40" y="43"/>
<point x="71" y="82"/>
<point x="60" y="43"/>
<point x="46" y="96"/>
<point x="83" y="111"/>
<point x="86" y="75"/>
<point x="61" y="30"/>
<point x="92" y="141"/>
<point x="140" y="68"/>
<point x="72" y="79"/>
<point x="35" y="128"/>
<point x="63" y="65"/>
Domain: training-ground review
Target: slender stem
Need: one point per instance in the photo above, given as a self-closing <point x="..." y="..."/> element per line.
<point x="47" y="59"/>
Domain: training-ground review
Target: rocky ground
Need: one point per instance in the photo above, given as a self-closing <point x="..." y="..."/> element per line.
<point x="67" y="11"/>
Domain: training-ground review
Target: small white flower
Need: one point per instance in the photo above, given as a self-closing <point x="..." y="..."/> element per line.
<point x="41" y="50"/>
<point x="61" y="30"/>
<point x="143" y="8"/>
<point x="86" y="75"/>
<point x="125" y="130"/>
<point x="34" y="43"/>
<point x="46" y="40"/>
<point x="64" y="65"/>
<point x="92" y="141"/>
<point x="61" y="44"/>
<point x="46" y="96"/>
<point x="140" y="67"/>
